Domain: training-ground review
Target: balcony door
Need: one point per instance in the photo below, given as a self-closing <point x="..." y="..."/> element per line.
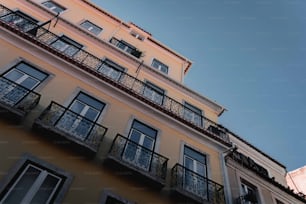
<point x="154" y="93"/>
<point x="195" y="172"/>
<point x="17" y="82"/>
<point x="139" y="148"/>
<point x="20" y="20"/>
<point x="79" y="119"/>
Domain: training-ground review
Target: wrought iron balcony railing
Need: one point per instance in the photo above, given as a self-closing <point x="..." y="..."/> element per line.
<point x="138" y="157"/>
<point x="129" y="84"/>
<point x="17" y="97"/>
<point x="196" y="186"/>
<point x="75" y="127"/>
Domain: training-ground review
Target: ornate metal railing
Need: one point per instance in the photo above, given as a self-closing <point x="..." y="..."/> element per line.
<point x="61" y="119"/>
<point x="140" y="157"/>
<point x="196" y="186"/>
<point x="126" y="82"/>
<point x="17" y="96"/>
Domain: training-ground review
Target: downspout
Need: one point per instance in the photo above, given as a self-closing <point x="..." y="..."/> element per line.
<point x="227" y="187"/>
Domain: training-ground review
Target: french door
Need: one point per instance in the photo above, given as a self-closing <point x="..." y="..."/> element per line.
<point x="18" y="82"/>
<point x="80" y="117"/>
<point x="139" y="147"/>
<point x="195" y="175"/>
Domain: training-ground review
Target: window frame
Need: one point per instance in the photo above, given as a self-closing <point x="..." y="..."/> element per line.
<point x="14" y="173"/>
<point x="91" y="25"/>
<point x="160" y="66"/>
<point x="69" y="42"/>
<point x="194" y="109"/>
<point x="251" y="186"/>
<point x="156" y="89"/>
<point x="55" y="6"/>
<point x="112" y="65"/>
<point x="109" y="193"/>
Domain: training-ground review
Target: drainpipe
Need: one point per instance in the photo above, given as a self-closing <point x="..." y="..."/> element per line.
<point x="227" y="187"/>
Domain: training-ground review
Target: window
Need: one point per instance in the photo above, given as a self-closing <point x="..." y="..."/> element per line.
<point x="140" y="146"/>
<point x="91" y="27"/>
<point x="66" y="45"/>
<point x="54" y="6"/>
<point x="20" y="20"/>
<point x="34" y="181"/>
<point x="111" y="69"/>
<point x="160" y="66"/>
<point x="136" y="35"/>
<point x="154" y="93"/>
<point x="126" y="47"/>
<point x="16" y="83"/>
<point x="195" y="173"/>
<point x="109" y="197"/>
<point x="80" y="118"/>
<point x="193" y="114"/>
<point x="249" y="193"/>
<point x="279" y="202"/>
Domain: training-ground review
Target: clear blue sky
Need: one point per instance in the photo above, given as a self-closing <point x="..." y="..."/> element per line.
<point x="249" y="56"/>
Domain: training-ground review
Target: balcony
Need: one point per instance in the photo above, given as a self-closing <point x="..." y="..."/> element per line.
<point x="126" y="47"/>
<point x="143" y="162"/>
<point x="75" y="129"/>
<point x="193" y="187"/>
<point x="15" y="99"/>
<point x="127" y="83"/>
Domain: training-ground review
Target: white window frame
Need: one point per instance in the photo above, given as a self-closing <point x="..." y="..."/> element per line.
<point x="190" y="114"/>
<point x="91" y="27"/>
<point x="244" y="186"/>
<point x="151" y="90"/>
<point x="55" y="5"/>
<point x="159" y="66"/>
<point x="27" y="161"/>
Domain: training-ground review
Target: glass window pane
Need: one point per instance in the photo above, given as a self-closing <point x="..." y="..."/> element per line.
<point x="31" y="71"/>
<point x="23" y="186"/>
<point x="135" y="136"/>
<point x="195" y="155"/>
<point x="29" y="83"/>
<point x="90" y="101"/>
<point x="144" y="129"/>
<point x="91" y="114"/>
<point x="148" y="143"/>
<point x="46" y="189"/>
<point x="77" y="107"/>
<point x="13" y="75"/>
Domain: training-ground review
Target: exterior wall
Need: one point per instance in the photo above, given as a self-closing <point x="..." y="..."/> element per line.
<point x="296" y="180"/>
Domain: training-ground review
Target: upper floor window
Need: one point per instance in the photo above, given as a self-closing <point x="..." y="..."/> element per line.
<point x="18" y="81"/>
<point x="126" y="47"/>
<point x="136" y="35"/>
<point x="154" y="93"/>
<point x="140" y="146"/>
<point x="91" y="27"/>
<point x="84" y="112"/>
<point x="193" y="114"/>
<point x="54" y="6"/>
<point x="35" y="182"/>
<point x="160" y="66"/>
<point x="66" y="45"/>
<point x="249" y="193"/>
<point x="196" y="173"/>
<point x="111" y="69"/>
<point x="20" y="20"/>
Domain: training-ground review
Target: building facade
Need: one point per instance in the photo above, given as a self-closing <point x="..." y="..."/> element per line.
<point x="90" y="106"/>
<point x="296" y="179"/>
<point x="94" y="110"/>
